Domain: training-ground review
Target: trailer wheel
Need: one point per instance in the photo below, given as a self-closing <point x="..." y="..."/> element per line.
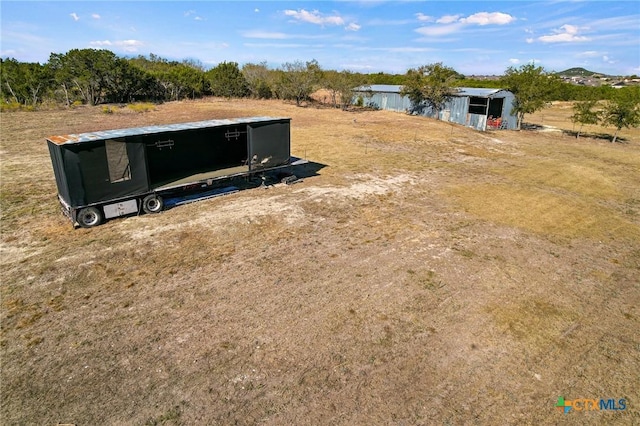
<point x="89" y="217"/>
<point x="152" y="204"/>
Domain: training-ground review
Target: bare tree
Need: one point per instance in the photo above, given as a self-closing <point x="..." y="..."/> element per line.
<point x="298" y="80"/>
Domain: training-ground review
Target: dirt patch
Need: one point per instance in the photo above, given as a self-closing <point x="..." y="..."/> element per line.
<point x="427" y="273"/>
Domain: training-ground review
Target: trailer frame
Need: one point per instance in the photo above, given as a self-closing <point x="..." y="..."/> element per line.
<point x="206" y="154"/>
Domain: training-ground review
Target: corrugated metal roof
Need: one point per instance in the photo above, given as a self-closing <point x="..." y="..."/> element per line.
<point x="462" y="91"/>
<point x="476" y="91"/>
<point x="389" y="88"/>
<point x="148" y="130"/>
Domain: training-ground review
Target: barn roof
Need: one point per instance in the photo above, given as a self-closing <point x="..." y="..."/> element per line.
<point x="462" y="91"/>
<point x="148" y="130"/>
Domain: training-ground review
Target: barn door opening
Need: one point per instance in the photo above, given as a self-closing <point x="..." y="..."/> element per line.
<point x="495" y="107"/>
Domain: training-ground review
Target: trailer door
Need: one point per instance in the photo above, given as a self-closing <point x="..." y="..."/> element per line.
<point x="269" y="144"/>
<point x="126" y="171"/>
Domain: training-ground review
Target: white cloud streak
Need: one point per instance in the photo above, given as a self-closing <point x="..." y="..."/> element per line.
<point x="486" y="18"/>
<point x="274" y="35"/>
<point x="448" y="19"/>
<point x="424" y="18"/>
<point x="125" y="45"/>
<point x="74" y="16"/>
<point x="589" y="54"/>
<point x="314" y="17"/>
<point x="317" y="18"/>
<point x="268" y="35"/>
<point x="450" y="24"/>
<point x="352" y="27"/>
<point x="439" y="30"/>
<point x="565" y="34"/>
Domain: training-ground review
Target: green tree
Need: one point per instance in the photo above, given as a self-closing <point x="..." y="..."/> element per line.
<point x="623" y="110"/>
<point x="340" y="86"/>
<point x="532" y="86"/>
<point x="227" y="80"/>
<point x="298" y="80"/>
<point x="171" y="80"/>
<point x="583" y="113"/>
<point x="382" y="78"/>
<point x="259" y="80"/>
<point x="24" y="83"/>
<point x="184" y="81"/>
<point x="90" y="72"/>
<point x="128" y="83"/>
<point x="430" y="86"/>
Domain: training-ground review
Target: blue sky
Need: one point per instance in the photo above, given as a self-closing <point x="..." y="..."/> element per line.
<point x="473" y="37"/>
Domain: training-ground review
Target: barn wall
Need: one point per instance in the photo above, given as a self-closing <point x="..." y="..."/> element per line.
<point x="456" y="110"/>
<point x="387" y="101"/>
<point x="509" y="101"/>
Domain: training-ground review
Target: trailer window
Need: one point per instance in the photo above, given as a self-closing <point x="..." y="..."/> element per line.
<point x="478" y="105"/>
<point x="117" y="160"/>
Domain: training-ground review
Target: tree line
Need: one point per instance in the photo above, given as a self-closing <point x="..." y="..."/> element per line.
<point x="96" y="76"/>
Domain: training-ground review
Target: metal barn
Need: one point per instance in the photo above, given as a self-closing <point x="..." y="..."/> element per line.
<point x="479" y="108"/>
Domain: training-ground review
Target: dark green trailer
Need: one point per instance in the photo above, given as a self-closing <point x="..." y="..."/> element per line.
<point x="106" y="174"/>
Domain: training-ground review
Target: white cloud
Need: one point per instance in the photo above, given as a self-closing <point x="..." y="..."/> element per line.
<point x="275" y="45"/>
<point x="256" y="10"/>
<point x="589" y="54"/>
<point x="565" y="34"/>
<point x="272" y="35"/>
<point x="95" y="16"/>
<point x="101" y="43"/>
<point x="448" y="19"/>
<point x="407" y="49"/>
<point x="74" y="16"/>
<point x="362" y="67"/>
<point x="439" y="30"/>
<point x="125" y="45"/>
<point x="314" y="17"/>
<point x="514" y="61"/>
<point x="530" y="40"/>
<point x="486" y="18"/>
<point x="190" y="13"/>
<point x="450" y="24"/>
<point x="424" y="18"/>
<point x="389" y="22"/>
<point x="265" y="35"/>
<point x="352" y="27"/>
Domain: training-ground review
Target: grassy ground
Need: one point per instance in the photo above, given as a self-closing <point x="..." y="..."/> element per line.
<point x="427" y="273"/>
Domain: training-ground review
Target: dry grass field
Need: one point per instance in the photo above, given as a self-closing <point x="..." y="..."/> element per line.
<point x="422" y="273"/>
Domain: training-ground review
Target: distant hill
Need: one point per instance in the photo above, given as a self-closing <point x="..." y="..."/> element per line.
<point x="577" y="72"/>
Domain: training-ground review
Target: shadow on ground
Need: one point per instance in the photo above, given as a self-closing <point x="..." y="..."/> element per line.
<point x="586" y="135"/>
<point x="288" y="176"/>
<point x="600" y="136"/>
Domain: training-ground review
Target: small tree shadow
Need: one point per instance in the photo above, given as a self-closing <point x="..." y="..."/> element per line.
<point x="573" y="133"/>
<point x="531" y="126"/>
<point x="594" y="135"/>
